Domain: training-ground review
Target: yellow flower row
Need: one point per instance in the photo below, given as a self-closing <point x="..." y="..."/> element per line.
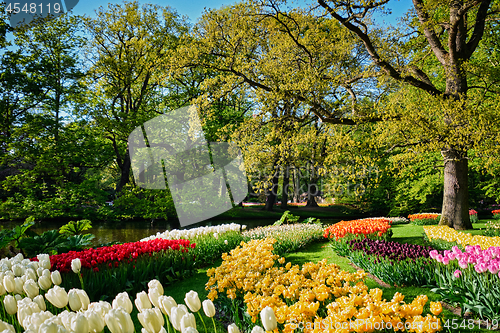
<point x="300" y="295"/>
<point x="451" y="235"/>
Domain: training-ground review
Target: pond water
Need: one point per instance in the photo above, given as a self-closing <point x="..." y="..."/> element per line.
<point x="132" y="231"/>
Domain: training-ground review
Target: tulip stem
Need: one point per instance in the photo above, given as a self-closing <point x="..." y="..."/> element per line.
<point x="168" y="323"/>
<point x="215" y="327"/>
<point x="81" y="280"/>
<point x="203" y="322"/>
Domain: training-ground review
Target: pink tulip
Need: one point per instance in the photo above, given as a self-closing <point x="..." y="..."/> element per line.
<point x="463" y="264"/>
<point x="456" y="250"/>
<point x="452" y="256"/>
<point x="439" y="258"/>
<point x="494" y="268"/>
<point x="457" y="273"/>
<point x="446" y="261"/>
<point x="433" y="254"/>
<point x="480" y="268"/>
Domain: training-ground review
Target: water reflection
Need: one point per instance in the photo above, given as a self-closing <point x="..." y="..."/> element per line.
<point x="132" y="231"/>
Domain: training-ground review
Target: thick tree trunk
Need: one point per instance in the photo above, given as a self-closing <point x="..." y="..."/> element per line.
<point x="286" y="185"/>
<point x="124" y="173"/>
<point x="455" y="211"/>
<point x="272" y="192"/>
<point x="311" y="195"/>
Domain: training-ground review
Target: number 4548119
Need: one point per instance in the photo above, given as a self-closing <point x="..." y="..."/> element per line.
<point x="455" y="324"/>
<point x="33" y="8"/>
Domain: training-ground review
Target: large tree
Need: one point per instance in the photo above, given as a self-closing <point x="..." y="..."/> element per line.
<point x="450" y="33"/>
<point x="351" y="72"/>
<point x="129" y="47"/>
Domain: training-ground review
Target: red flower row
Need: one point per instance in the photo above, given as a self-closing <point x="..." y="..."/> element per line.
<point x="496" y="211"/>
<point x="115" y="254"/>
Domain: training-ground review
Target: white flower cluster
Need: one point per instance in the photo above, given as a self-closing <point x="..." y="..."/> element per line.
<point x="195" y="232"/>
<point x="273" y="231"/>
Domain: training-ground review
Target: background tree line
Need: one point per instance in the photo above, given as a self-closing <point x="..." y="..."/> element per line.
<point x="321" y="87"/>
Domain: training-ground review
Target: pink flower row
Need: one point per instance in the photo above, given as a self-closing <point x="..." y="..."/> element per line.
<point x="483" y="260"/>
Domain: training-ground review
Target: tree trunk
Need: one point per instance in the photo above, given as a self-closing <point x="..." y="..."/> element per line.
<point x="272" y="191"/>
<point x="124" y="173"/>
<point x="296" y="186"/>
<point x="286" y="185"/>
<point x="455" y="210"/>
<point x="312" y="190"/>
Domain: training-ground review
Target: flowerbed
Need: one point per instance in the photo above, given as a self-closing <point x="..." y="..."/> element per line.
<point x="492" y="228"/>
<point x="252" y="278"/>
<point x="197" y="232"/>
<point x="470" y="278"/>
<point x="289" y="237"/>
<point x="374" y="227"/>
<point x="473" y="216"/>
<point x="496" y="213"/>
<point x="38" y="307"/>
<point x="392" y="262"/>
<point x="445" y="233"/>
<point x="108" y="270"/>
<point x="424" y="218"/>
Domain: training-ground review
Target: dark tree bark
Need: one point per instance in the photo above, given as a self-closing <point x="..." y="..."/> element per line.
<point x="311" y="195"/>
<point x="286" y="185"/>
<point x="455" y="211"/>
<point x="271" y="193"/>
<point x="124" y="173"/>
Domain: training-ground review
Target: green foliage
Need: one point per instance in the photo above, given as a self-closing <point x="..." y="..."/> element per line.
<point x="136" y="202"/>
<point x="426" y="221"/>
<point x="76" y="243"/>
<point x="75" y="228"/>
<point x="287" y="218"/>
<point x="16" y="234"/>
<point x="49" y="242"/>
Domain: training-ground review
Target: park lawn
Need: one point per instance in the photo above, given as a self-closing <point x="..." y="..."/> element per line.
<point x="320" y="250"/>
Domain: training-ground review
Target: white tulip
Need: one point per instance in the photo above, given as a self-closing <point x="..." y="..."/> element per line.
<point x="233" y="329"/>
<point x="123" y="300"/>
<point x="193" y="301"/>
<point x="156" y="284"/>
<point x="142" y="301"/>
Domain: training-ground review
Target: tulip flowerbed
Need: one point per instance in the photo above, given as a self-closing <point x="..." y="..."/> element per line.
<point x="375" y="227"/>
<point x="254" y="287"/>
<point x="107" y="270"/>
<point x="470" y="278"/>
<point x="450" y="235"/>
<point x="392" y="262"/>
<point x="289" y="237"/>
<point x="496" y="213"/>
<point x="424" y="218"/>
<point x="315" y="297"/>
<point x="34" y="308"/>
